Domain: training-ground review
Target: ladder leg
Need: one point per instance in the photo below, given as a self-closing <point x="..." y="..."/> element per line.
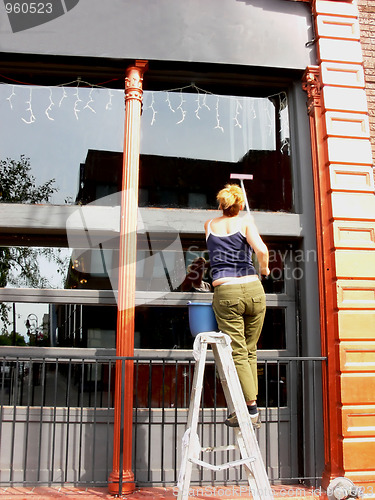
<point x="245" y="436"/>
<point x="191" y="445"/>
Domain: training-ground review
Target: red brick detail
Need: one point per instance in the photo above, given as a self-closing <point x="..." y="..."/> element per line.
<point x="367" y="26"/>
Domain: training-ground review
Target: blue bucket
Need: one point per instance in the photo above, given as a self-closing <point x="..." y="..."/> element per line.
<point x="201" y="318"/>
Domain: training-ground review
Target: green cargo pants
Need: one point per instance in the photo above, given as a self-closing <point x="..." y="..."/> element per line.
<point x="240" y="311"/>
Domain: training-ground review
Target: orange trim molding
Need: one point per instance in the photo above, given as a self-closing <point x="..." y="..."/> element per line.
<point x="326" y="269"/>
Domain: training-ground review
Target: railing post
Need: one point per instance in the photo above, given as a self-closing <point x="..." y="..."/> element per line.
<point x="126" y="285"/>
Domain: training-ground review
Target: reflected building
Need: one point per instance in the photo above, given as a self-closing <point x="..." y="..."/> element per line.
<point x="99" y="176"/>
<point x="84" y="326"/>
<point x="189" y="183"/>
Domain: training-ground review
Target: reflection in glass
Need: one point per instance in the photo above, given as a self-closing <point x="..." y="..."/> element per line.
<point x="29" y="267"/>
<point x="58" y="383"/>
<point x="72" y="138"/>
<point x="272" y="384"/>
<point x="273" y="334"/>
<point x="33" y="267"/>
<point x="170" y="328"/>
<point x="77" y="382"/>
<point x="167" y="261"/>
<point x="281" y="264"/>
<point x="55" y="128"/>
<point x="91" y="383"/>
<point x="79" y="325"/>
<point x="162" y="328"/>
<point x="18" y="184"/>
<point x="192" y="142"/>
<point x="59" y="325"/>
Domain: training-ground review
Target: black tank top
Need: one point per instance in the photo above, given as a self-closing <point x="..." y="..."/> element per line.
<point x="230" y="255"/>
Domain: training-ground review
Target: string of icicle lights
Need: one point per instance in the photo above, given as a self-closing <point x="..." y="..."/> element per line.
<point x="58" y="100"/>
<point x="55" y="96"/>
<point x="201" y="103"/>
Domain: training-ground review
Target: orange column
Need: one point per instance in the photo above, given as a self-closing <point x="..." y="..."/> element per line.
<point x="123" y="415"/>
<point x="345" y="212"/>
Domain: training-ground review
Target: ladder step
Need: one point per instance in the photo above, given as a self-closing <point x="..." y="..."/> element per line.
<point x="229" y="447"/>
<point x="228" y="465"/>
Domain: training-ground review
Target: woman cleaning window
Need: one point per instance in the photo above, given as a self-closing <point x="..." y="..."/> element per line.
<point x="239" y="300"/>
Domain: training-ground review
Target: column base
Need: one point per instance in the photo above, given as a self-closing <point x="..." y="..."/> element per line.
<point x="326" y="479"/>
<point x="328" y="476"/>
<point x="128" y="484"/>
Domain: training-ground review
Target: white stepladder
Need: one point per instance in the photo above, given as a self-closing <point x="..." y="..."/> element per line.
<point x="247" y="443"/>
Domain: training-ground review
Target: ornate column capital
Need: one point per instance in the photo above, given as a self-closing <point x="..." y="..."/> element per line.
<point x="312" y="85"/>
<point x="134" y="79"/>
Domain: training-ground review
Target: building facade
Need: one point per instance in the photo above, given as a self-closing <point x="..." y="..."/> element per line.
<point x="102" y="213"/>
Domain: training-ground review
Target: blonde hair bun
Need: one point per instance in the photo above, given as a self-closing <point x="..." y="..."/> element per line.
<point x="231" y="195"/>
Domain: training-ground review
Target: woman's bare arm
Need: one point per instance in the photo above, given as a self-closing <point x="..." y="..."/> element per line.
<point x="254" y="239"/>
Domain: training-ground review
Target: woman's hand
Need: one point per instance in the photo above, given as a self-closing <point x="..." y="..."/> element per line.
<point x="265" y="272"/>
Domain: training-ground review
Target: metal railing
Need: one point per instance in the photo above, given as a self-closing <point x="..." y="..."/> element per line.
<point x="56" y="419"/>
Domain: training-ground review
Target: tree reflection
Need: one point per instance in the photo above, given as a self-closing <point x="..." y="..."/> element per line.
<point x="22" y="265"/>
<point x="18" y="185"/>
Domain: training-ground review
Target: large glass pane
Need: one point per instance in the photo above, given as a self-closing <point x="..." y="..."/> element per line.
<point x="162" y="267"/>
<point x="273" y="335"/>
<point x="281" y="264"/>
<point x="272" y="384"/>
<point x="77" y="382"/>
<point x="193" y="140"/>
<point x="190" y="144"/>
<point x="168" y="328"/>
<point x="34" y="267"/>
<point x="55" y="138"/>
<point x="58" y="325"/>
<point x="78" y="325"/>
<point x="166" y="262"/>
<point x="93" y="268"/>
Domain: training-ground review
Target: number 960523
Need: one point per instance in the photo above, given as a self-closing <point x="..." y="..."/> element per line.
<point x="29" y="8"/>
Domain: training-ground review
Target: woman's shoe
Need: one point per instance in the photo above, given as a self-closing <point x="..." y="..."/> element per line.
<point x="232" y="421"/>
<point x="255" y="420"/>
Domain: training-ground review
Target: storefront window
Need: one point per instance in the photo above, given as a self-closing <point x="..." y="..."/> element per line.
<point x="58" y="325"/>
<point x="170" y="328"/>
<point x="193" y="140"/>
<point x="56" y="136"/>
<point x="80" y="325"/>
<point x="87" y="326"/>
<point x="166" y="262"/>
<point x="68" y="141"/>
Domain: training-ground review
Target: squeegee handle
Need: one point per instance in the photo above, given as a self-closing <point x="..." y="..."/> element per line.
<point x="241" y="178"/>
<point x="245" y="196"/>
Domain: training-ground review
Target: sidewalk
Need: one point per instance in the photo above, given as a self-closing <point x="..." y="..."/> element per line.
<point x="289" y="492"/>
